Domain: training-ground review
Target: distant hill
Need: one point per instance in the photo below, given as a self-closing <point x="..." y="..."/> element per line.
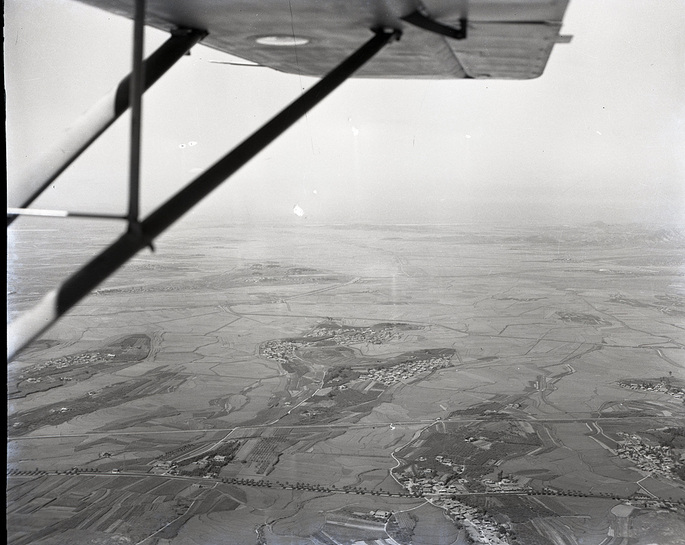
<point x="602" y="234"/>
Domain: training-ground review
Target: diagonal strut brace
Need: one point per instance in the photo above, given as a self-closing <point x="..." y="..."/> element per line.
<point x="98" y="118"/>
<point x="53" y="305"/>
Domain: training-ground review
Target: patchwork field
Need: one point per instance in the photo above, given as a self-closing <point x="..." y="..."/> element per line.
<point x="337" y="385"/>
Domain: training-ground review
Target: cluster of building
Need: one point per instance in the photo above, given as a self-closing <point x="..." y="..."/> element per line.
<point x="655" y="459"/>
<point x="283" y="350"/>
<point x="405" y="370"/>
<point x="74" y="359"/>
<point x="444" y="460"/>
<point x="442" y="490"/>
<point x="429" y="484"/>
<point x="479" y="528"/>
<point x="257" y="279"/>
<point x="138" y="289"/>
<point x="662" y="386"/>
<point x="347" y="335"/>
<point x="164" y="467"/>
<point x="439" y="492"/>
<point x="280" y="350"/>
<point x="375" y="515"/>
<point x="505" y="485"/>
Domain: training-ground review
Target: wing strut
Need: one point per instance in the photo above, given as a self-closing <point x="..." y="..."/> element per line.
<point x="136" y="100"/>
<point x="97" y="119"/>
<point x="32" y="323"/>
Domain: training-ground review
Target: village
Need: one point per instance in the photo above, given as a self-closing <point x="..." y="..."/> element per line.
<point x="662" y="386"/>
<point x="398" y="369"/>
<point x="281" y="351"/>
<point x="87" y="358"/>
<point x="655" y="459"/>
<point x="405" y="370"/>
<point x="355" y="335"/>
<point x="442" y="490"/>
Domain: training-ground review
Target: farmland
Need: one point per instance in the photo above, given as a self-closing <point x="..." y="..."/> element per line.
<point x="337" y="384"/>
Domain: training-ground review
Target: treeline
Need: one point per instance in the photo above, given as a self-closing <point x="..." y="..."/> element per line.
<point x="671" y="437"/>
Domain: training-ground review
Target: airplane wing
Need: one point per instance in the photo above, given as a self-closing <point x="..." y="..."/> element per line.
<point x="330" y="39"/>
<point x="506" y="39"/>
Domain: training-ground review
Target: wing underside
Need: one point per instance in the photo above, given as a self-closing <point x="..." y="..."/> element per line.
<point x="506" y="39"/>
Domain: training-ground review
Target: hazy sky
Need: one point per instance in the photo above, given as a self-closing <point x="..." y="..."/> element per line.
<point x="600" y="136"/>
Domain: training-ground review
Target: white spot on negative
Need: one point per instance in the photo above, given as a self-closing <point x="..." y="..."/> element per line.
<point x="298" y="211"/>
